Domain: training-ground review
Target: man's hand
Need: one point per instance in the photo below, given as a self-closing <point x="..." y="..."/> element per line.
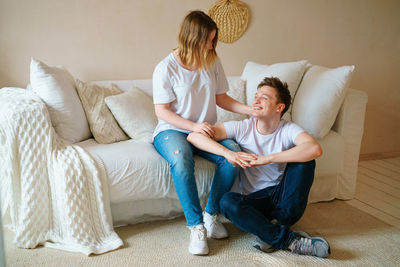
<point x="261" y="160"/>
<point x="241" y="159"/>
<point x="204" y="128"/>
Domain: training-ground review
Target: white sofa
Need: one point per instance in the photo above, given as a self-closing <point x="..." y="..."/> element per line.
<point x="141" y="187"/>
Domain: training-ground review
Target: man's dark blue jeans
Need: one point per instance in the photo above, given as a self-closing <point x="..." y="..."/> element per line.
<point x="284" y="202"/>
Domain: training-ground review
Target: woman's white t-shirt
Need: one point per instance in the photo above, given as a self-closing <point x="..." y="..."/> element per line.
<point x="251" y="141"/>
<point x="191" y="93"/>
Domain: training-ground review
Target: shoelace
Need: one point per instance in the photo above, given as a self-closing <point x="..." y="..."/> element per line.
<point x="302" y="246"/>
<point x="214" y="219"/>
<point x="199" y="234"/>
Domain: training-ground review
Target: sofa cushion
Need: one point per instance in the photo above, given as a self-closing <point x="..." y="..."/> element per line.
<point x="236" y="91"/>
<point x="289" y="72"/>
<point x="319" y="98"/>
<point x="136" y="171"/>
<point x="103" y="125"/>
<point x="134" y="111"/>
<point x="56" y="87"/>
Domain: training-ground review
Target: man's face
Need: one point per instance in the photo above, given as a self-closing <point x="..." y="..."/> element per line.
<point x="265" y="102"/>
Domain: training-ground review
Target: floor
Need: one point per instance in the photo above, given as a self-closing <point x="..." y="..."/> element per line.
<point x="378" y="189"/>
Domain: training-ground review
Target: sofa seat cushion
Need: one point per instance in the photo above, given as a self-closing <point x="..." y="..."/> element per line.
<point x="137" y="172"/>
<point x="331" y="161"/>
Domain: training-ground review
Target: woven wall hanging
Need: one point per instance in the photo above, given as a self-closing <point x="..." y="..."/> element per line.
<point x="231" y="17"/>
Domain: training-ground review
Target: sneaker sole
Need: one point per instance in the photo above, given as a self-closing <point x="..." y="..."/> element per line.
<point x="258" y="245"/>
<point x="199" y="253"/>
<point x="270" y="250"/>
<point x="214" y="237"/>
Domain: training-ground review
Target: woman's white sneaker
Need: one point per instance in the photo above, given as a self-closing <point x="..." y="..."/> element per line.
<point x="215" y="228"/>
<point x="198" y="240"/>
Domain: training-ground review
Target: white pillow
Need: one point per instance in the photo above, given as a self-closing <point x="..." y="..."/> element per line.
<point x="289" y="72"/>
<point x="56" y="87"/>
<point x="237" y="92"/>
<point x="104" y="127"/>
<point x="134" y="111"/>
<point x="319" y="97"/>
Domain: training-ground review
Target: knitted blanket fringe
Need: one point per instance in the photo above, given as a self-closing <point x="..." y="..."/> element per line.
<point x="55" y="193"/>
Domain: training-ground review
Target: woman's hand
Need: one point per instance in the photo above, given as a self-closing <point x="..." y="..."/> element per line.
<point x="241" y="159"/>
<point x="204" y="128"/>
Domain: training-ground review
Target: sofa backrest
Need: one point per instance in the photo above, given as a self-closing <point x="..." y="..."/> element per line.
<point x="145" y="85"/>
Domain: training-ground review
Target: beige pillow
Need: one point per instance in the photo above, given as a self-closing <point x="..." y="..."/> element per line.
<point x="56" y="87"/>
<point x="319" y="97"/>
<point x="102" y="123"/>
<point x="134" y="111"/>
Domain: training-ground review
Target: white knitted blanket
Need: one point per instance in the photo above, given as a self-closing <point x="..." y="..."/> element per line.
<point x="56" y="194"/>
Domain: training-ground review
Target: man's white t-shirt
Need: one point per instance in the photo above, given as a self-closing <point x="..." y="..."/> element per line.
<point x="191" y="93"/>
<point x="251" y="141"/>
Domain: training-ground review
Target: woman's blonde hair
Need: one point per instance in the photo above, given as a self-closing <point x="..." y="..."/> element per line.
<point x="193" y="39"/>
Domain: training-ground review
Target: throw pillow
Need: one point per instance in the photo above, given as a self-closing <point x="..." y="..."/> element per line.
<point x="134" y="111"/>
<point x="289" y="72"/>
<point x="104" y="127"/>
<point x="237" y="92"/>
<point x="319" y="97"/>
<point x="56" y="87"/>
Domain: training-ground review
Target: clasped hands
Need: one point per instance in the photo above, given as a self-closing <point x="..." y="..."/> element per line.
<point x="236" y="158"/>
<point x="243" y="159"/>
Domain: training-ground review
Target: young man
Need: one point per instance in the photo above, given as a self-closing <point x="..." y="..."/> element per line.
<point x="276" y="176"/>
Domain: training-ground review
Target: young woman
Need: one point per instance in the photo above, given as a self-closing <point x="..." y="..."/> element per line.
<point x="187" y="86"/>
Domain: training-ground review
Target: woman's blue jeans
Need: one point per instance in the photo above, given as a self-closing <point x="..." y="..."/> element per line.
<point x="284" y="202"/>
<point x="174" y="147"/>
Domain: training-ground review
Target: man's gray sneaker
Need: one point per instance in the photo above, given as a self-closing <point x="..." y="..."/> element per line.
<point x="261" y="245"/>
<point x="304" y="244"/>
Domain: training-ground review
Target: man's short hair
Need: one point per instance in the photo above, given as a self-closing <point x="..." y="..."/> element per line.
<point x="283" y="93"/>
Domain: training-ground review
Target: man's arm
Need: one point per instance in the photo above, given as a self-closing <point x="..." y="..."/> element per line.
<point x="205" y="143"/>
<point x="306" y="149"/>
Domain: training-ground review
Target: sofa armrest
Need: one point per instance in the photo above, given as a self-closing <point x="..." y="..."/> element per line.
<point x="350" y="124"/>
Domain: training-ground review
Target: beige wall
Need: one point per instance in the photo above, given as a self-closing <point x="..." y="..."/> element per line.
<point x="122" y="39"/>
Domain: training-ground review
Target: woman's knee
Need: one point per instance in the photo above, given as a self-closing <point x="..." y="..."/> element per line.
<point x="182" y="162"/>
<point x="230" y="144"/>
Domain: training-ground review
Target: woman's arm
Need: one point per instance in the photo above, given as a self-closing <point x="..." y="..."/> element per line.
<point x="163" y="112"/>
<point x="226" y="102"/>
<point x="306" y="149"/>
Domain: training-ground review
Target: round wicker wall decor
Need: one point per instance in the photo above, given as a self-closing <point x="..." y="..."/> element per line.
<point x="231" y="17"/>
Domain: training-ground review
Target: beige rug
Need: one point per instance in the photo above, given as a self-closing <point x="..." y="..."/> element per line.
<point x="356" y="239"/>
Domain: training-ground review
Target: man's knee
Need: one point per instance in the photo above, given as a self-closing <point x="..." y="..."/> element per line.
<point x="308" y="166"/>
<point x="303" y="171"/>
<point x="229" y="203"/>
<point x="290" y="215"/>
